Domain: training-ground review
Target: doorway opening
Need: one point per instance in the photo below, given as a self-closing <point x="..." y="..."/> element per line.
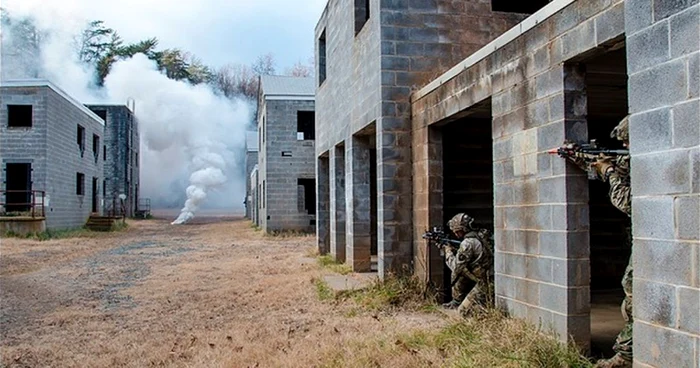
<point x="18" y="196"/>
<point x="468" y="170"/>
<point x="610" y="229"/>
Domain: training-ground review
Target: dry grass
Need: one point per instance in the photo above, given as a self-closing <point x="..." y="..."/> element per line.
<point x="212" y="294"/>
<point x="491" y="340"/>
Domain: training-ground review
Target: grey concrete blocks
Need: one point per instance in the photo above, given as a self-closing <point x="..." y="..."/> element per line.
<point x="638" y="15"/>
<point x="685" y="32"/>
<point x="694" y="75"/>
<point x="659" y="305"/>
<point x="571" y="272"/>
<point x="661" y="347"/>
<point x="651" y="131"/>
<point x="610" y="24"/>
<point x="652" y="259"/>
<point x="665" y="8"/>
<point x="658" y="86"/>
<point x="687" y="215"/>
<point x="652" y="217"/>
<point x="653" y="177"/>
<point x="695" y="170"/>
<point x="653" y="43"/>
<point x="688" y="318"/>
<point x="686" y="125"/>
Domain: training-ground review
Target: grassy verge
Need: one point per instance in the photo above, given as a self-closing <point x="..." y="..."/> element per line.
<point x="491" y="340"/>
<point x="65" y="233"/>
<point x="331" y="264"/>
<point x="288" y="234"/>
<point x="392" y="293"/>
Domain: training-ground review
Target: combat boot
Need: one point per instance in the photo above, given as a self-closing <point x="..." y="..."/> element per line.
<point x="451" y="305"/>
<point x="616" y="361"/>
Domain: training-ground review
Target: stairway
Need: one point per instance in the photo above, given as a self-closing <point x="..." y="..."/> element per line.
<point x="101" y="223"/>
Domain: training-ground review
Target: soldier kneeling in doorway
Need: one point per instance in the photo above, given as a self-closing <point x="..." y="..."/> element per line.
<point x="471" y="264"/>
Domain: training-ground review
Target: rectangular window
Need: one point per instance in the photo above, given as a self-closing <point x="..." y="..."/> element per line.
<point x="104" y="188"/>
<point x="136" y="160"/>
<point x="306" y="201"/>
<point x="96" y="146"/>
<point x="520" y="7"/>
<point x="322" y="58"/>
<point x="306" y="125"/>
<point x="361" y="14"/>
<point x="81" y="139"/>
<point x="104" y="153"/>
<point x="263" y="130"/>
<point x="80" y="184"/>
<point x="19" y="116"/>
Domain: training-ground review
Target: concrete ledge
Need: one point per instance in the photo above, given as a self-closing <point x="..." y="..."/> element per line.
<point x="22" y="225"/>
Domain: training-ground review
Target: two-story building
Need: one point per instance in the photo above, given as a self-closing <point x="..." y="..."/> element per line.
<point x="51" y="149"/>
<point x="285" y="172"/>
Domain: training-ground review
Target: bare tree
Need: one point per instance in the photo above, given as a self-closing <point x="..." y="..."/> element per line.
<point x="264" y="65"/>
<point x="235" y="80"/>
<point x="300" y="69"/>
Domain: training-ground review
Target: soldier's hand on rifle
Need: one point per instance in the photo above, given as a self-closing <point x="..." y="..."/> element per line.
<point x="603" y="165"/>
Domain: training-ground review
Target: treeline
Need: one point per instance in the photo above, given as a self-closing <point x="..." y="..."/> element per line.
<point x="100" y="47"/>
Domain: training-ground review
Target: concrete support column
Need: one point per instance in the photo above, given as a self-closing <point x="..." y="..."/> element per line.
<point x="574" y="320"/>
<point x="337" y="203"/>
<point x="395" y="196"/>
<point x="357" y="202"/>
<point x="323" y="204"/>
<point x="427" y="202"/>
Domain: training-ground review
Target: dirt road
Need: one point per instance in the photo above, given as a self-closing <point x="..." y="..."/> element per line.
<point x="214" y="293"/>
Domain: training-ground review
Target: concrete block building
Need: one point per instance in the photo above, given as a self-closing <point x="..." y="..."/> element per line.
<point x="52" y="144"/>
<point x="286" y="130"/>
<point x="474" y="137"/>
<point x="120" y="156"/>
<point x="251" y="161"/>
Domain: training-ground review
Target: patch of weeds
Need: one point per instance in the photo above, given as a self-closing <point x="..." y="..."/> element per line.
<point x="489" y="340"/>
<point x="404" y="292"/>
<point x="329" y="263"/>
<point x="119" y="226"/>
<point x="289" y="234"/>
<point x="323" y="291"/>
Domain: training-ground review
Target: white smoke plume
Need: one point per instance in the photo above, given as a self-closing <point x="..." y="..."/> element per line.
<point x="191" y="138"/>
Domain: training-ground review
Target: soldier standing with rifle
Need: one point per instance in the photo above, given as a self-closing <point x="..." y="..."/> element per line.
<point x="613" y="167"/>
<point x="471" y="262"/>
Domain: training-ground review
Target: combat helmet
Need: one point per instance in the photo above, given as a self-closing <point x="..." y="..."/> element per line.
<point x="622" y="130"/>
<point x="461" y="222"/>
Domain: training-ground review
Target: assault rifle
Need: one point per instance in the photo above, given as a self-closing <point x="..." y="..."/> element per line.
<point x="440" y="237"/>
<point x="588" y="152"/>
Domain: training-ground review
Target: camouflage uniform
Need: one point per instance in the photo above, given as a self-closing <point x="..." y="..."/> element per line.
<point x="471" y="263"/>
<point x="616" y="171"/>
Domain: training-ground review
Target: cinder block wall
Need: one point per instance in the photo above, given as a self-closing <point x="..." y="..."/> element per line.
<point x="21" y="145"/>
<point x="122" y="164"/>
<point x="663" y="48"/>
<point x="67" y="209"/>
<point x="51" y="146"/>
<point x="541" y="210"/>
<point x="370" y="76"/>
<point x="280" y="173"/>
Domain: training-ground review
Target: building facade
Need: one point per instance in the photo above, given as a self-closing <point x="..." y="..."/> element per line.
<point x="50" y="143"/>
<point x="474" y="139"/>
<point x="370" y="57"/>
<point x="120" y="154"/>
<point x="286" y="130"/>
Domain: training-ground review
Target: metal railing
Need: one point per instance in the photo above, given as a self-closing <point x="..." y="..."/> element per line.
<point x="27" y="203"/>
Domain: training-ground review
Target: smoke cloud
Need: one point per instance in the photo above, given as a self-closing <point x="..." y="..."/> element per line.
<point x="191" y="139"/>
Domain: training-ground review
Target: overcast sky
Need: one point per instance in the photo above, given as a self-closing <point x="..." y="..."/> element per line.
<point x="218" y="31"/>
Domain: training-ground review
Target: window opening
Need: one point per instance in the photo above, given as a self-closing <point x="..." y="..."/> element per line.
<point x="322" y="58"/>
<point x="306" y="121"/>
<point x="19" y="116"/>
<point x="80" y="184"/>
<point x="306" y="201"/>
